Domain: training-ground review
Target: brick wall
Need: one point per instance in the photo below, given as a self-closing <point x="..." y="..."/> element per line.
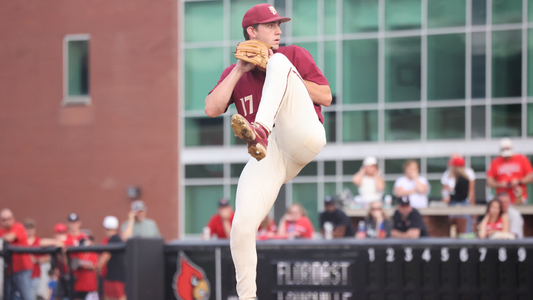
<point x="54" y="159"/>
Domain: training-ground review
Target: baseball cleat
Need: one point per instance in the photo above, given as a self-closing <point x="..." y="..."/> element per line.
<point x="254" y="134"/>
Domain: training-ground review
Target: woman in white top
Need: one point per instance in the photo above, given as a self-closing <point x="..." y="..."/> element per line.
<point x="369" y="181"/>
<point x="412" y="185"/>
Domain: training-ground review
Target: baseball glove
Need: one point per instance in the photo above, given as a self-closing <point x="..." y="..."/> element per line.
<point x="254" y="52"/>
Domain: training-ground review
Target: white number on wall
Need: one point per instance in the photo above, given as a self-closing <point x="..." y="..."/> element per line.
<point x="390" y="255"/>
<point x="426" y="255"/>
<point x="521" y="254"/>
<point x="502" y="254"/>
<point x="371" y="254"/>
<point x="444" y="254"/>
<point x="408" y="254"/>
<point x="482" y="254"/>
<point x="463" y="254"/>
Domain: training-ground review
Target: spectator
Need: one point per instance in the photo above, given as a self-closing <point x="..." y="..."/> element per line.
<point x="377" y="225"/>
<point x="458" y="190"/>
<point x="37" y="260"/>
<point x="407" y="221"/>
<point x="21" y="268"/>
<point x="342" y="226"/>
<point x="510" y="173"/>
<point x="412" y="185"/>
<point x="267" y="229"/>
<point x="369" y="181"/>
<point x="516" y="222"/>
<point x="220" y="223"/>
<point x="295" y="224"/>
<point x="495" y="220"/>
<point x="138" y="224"/>
<point x="59" y="284"/>
<point x="115" y="277"/>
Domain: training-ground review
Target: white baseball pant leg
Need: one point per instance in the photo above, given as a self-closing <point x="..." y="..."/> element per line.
<point x="295" y="141"/>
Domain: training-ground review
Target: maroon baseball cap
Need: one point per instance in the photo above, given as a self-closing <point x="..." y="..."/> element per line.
<point x="262" y="13"/>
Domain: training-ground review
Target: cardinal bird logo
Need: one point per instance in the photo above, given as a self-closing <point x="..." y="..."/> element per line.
<point x="190" y="282"/>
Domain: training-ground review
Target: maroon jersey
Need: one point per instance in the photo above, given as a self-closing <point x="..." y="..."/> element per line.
<point x="247" y="92"/>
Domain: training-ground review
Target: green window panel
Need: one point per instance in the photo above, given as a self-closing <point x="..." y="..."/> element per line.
<point x="446" y="123"/>
<point x="446" y="13"/>
<point x="238" y="8"/>
<point x="530" y="16"/>
<point x="402" y="124"/>
<point x="351" y="187"/>
<point x="330" y="65"/>
<point x="360" y="16"/>
<point x="507" y="120"/>
<point x="330" y="125"/>
<point x="306" y="194"/>
<point x="330" y="189"/>
<point x="530" y="62"/>
<point x="507" y="63"/>
<point x="78" y="68"/>
<point x="204" y="21"/>
<point x="311" y="169"/>
<point x="395" y="166"/>
<point x="478" y="122"/>
<point x="436" y="187"/>
<point x="477" y="163"/>
<point x="203" y="68"/>
<point x="437" y="164"/>
<point x="350" y="167"/>
<point x="506" y="11"/>
<point x="304" y="18"/>
<point x="530" y="119"/>
<point x="403" y="14"/>
<point x="200" y="205"/>
<point x="330" y="168"/>
<point x="232" y="59"/>
<point x="479" y="12"/>
<point x="236" y="170"/>
<point x="330" y="17"/>
<point x="233" y="194"/>
<point x="360" y="126"/>
<point x="204" y="131"/>
<point x="479" y="54"/>
<point x="402" y="69"/>
<point x="360" y="71"/>
<point x="388" y="188"/>
<point x="204" y="171"/>
<point x="446" y="67"/>
<point x="311" y="47"/>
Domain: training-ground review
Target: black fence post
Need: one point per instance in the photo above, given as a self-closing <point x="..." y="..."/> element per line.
<point x="145" y="269"/>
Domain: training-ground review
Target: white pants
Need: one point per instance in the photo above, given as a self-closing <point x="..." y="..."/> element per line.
<point x="294" y="142"/>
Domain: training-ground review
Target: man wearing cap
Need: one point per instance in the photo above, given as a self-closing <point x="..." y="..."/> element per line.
<point x="407" y="221"/>
<point x="138" y="224"/>
<point x="220" y="223"/>
<point x="115" y="275"/>
<point x="289" y="94"/>
<point x="342" y="226"/>
<point x="368" y="180"/>
<point x="15" y="233"/>
<point x="510" y="173"/>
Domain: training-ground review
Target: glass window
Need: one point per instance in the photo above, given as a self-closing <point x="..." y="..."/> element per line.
<point x="388" y="188"/>
<point x="330" y="65"/>
<point x="360" y="71"/>
<point x="507" y="63"/>
<point x="479" y="12"/>
<point x="506" y="120"/>
<point x="530" y="119"/>
<point x="403" y="14"/>
<point x="478" y="122"/>
<point x="530" y="61"/>
<point x="434" y="191"/>
<point x="306" y="194"/>
<point x="395" y="166"/>
<point x="477" y="163"/>
<point x="238" y="9"/>
<point x="437" y="164"/>
<point x="402" y="124"/>
<point x="204" y="131"/>
<point x="446" y="123"/>
<point x="203" y="67"/>
<point x="478" y="64"/>
<point x="506" y="11"/>
<point x="530" y="19"/>
<point x="350" y="187"/>
<point x="304" y="17"/>
<point x="446" y="13"/>
<point x="311" y="169"/>
<point x="330" y="189"/>
<point x="200" y="205"/>
<point x="330" y="17"/>
<point x="236" y="170"/>
<point x="360" y="126"/>
<point x="359" y="16"/>
<point x="402" y="69"/>
<point x="78" y="68"/>
<point x="330" y="125"/>
<point x="350" y="167"/>
<point x="204" y="171"/>
<point x="312" y="48"/>
<point x="204" y="21"/>
<point x="481" y="191"/>
<point x="330" y="168"/>
<point x="446" y="66"/>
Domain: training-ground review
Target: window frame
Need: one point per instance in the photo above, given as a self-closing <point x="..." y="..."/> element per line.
<point x="69" y="100"/>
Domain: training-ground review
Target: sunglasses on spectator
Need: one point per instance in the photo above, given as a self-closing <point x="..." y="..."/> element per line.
<point x="7" y="219"/>
<point x="375" y="208"/>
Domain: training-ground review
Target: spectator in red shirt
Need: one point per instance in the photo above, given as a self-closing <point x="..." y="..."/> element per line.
<point x="267" y="229"/>
<point x="35" y="241"/>
<point x="295" y="224"/>
<point x="21" y="267"/>
<point x="510" y="173"/>
<point x="220" y="223"/>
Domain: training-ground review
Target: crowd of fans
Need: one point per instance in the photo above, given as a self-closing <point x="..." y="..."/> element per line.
<point x="79" y="275"/>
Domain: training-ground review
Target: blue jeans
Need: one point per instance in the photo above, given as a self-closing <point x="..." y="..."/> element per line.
<point x="465" y="217"/>
<point x="19" y="286"/>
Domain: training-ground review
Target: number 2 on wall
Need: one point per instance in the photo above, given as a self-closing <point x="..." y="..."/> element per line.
<point x="243" y="101"/>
